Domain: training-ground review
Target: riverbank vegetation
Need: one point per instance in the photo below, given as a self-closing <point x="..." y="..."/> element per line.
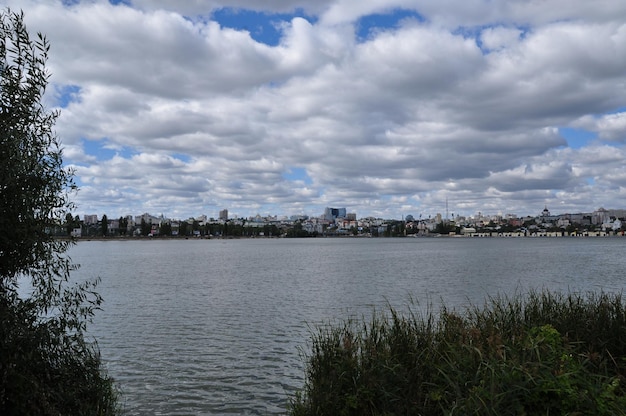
<point x="47" y="364"/>
<point x="538" y="354"/>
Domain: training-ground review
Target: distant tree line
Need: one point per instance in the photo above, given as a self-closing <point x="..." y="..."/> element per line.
<point x="296" y="229"/>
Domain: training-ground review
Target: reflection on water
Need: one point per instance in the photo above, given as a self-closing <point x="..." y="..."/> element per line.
<point x="218" y="326"/>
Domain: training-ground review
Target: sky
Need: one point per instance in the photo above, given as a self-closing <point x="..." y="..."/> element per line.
<point x="384" y="107"/>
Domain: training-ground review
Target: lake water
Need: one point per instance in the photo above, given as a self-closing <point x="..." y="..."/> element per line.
<point x="214" y="327"/>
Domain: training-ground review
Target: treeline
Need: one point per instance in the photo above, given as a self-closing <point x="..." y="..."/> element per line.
<point x="234" y="228"/>
<point x="168" y="229"/>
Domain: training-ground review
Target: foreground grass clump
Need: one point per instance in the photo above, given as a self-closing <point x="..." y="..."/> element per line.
<point x="540" y="354"/>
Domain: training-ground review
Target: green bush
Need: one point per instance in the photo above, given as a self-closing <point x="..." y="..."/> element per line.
<point x="543" y="353"/>
<point x="47" y="366"/>
<point x="45" y="371"/>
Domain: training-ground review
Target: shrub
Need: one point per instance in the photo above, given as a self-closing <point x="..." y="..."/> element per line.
<point x="47" y="367"/>
<point x="543" y="353"/>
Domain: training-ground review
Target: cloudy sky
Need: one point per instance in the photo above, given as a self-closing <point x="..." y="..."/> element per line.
<point x="385" y="107"/>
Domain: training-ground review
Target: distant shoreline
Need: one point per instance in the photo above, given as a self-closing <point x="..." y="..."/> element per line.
<point x="456" y="236"/>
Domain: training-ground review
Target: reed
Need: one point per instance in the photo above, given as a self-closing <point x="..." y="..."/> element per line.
<point x="534" y="354"/>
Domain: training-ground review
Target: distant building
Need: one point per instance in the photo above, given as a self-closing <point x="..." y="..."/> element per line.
<point x="90" y="219"/>
<point x="223" y="215"/>
<point x="616" y="225"/>
<point x="600" y="216"/>
<point x="332" y="214"/>
<point x="130" y="223"/>
<point x="300" y="217"/>
<point x="147" y="218"/>
<point x="256" y="219"/>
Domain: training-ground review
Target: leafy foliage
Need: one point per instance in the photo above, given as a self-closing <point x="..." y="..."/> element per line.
<point x="541" y="354"/>
<point x="46" y="365"/>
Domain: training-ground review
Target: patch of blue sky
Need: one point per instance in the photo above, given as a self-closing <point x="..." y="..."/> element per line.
<point x="116" y="2"/>
<point x="577" y="138"/>
<point x="617" y="110"/>
<point x="78" y="182"/>
<point x="369" y="25"/>
<point x="182" y="157"/>
<point x="295" y="174"/>
<point x="66" y="94"/>
<point x="103" y="150"/>
<point x="235" y="185"/>
<point x="263" y="27"/>
<point x="474" y="32"/>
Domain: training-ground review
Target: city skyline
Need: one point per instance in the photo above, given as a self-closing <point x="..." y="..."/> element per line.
<point x="342" y="212"/>
<point x="389" y="107"/>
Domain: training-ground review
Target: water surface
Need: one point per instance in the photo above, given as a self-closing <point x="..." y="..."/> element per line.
<point x="208" y="327"/>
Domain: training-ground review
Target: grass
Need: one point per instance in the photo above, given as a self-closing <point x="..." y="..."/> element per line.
<point x="539" y="354"/>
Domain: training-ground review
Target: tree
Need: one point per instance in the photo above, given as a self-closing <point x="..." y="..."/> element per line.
<point x="165" y="229"/>
<point x="123" y="225"/>
<point x="196" y="226"/>
<point x="69" y="223"/>
<point x="145" y="227"/>
<point x="445" y="227"/>
<point x="183" y="228"/>
<point x="104" y="225"/>
<point x="46" y="365"/>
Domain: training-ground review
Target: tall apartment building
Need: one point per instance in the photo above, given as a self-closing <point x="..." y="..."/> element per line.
<point x="224" y="215"/>
<point x="332" y="214"/>
<point x="90" y="219"/>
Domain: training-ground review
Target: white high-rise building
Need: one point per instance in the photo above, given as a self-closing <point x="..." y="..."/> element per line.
<point x="90" y="219"/>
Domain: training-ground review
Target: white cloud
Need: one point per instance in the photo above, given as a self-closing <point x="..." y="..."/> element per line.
<point x="465" y="105"/>
<point x="496" y="38"/>
<point x="613" y="127"/>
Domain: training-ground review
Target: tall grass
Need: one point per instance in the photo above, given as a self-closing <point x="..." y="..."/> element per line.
<point x="540" y="354"/>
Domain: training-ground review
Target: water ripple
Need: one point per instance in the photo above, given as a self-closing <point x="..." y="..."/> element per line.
<point x="217" y="327"/>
